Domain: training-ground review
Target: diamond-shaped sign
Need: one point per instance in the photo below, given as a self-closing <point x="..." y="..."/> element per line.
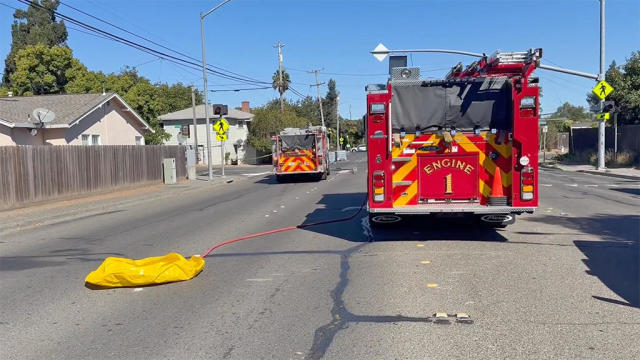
<point x="221" y="126"/>
<point x="380" y="52"/>
<point x="602" y="89"/>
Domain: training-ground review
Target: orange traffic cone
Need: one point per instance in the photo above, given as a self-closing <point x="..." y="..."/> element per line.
<point x="497" y="197"/>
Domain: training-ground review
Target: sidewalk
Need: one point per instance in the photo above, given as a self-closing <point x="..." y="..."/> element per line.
<point x="624" y="173"/>
<point x="96" y="204"/>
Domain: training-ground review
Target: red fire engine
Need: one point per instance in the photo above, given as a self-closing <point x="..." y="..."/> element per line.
<point x="301" y="151"/>
<point x="463" y="146"/>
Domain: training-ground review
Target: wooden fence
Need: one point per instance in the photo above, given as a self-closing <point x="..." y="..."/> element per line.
<point x="37" y="173"/>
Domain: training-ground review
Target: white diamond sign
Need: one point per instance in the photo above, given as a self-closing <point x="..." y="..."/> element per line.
<point x="380" y="52"/>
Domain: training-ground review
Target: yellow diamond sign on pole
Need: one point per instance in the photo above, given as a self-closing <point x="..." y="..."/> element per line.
<point x="221" y="137"/>
<point x="602" y="89"/>
<point x="221" y="126"/>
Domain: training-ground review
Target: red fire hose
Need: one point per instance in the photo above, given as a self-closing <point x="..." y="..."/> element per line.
<point x="288" y="228"/>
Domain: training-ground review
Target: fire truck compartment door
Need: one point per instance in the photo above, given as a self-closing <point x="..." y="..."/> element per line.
<point x="297" y="142"/>
<point x="448" y="177"/>
<point x="484" y="103"/>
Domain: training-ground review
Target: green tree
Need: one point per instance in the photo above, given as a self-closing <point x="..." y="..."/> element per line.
<point x="286" y="80"/>
<point x="625" y="81"/>
<point x="308" y="108"/>
<point x="175" y="97"/>
<point x="269" y="121"/>
<point x="32" y="27"/>
<point x="40" y="69"/>
<point x="329" y="104"/>
<point x="571" y="112"/>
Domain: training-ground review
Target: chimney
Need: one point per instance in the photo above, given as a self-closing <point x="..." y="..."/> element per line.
<point x="245" y="106"/>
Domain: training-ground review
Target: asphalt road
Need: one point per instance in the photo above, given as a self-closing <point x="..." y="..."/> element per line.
<point x="562" y="283"/>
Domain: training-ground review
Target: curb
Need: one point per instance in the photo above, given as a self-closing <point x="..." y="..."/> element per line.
<point x="593" y="172"/>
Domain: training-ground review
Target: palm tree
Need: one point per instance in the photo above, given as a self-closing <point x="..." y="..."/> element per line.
<point x="281" y="87"/>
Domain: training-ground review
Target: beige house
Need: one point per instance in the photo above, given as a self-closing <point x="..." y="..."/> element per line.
<point x="80" y="119"/>
<point x="179" y="125"/>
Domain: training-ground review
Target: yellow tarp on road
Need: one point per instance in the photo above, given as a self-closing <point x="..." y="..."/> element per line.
<point x="122" y="272"/>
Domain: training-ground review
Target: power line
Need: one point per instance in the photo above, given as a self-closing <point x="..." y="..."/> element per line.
<point x="155" y="43"/>
<point x="237" y="90"/>
<point x="138" y="46"/>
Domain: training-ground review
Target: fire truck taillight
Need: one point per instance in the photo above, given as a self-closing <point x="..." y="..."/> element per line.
<point x="378" y="186"/>
<point x="526" y="183"/>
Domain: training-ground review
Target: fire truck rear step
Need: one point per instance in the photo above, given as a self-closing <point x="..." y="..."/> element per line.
<point x="458" y="207"/>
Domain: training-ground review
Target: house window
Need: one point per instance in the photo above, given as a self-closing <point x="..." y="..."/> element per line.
<point x="85" y="140"/>
<point x="184" y="130"/>
<point x="95" y="139"/>
<point x="139" y="140"/>
<point x="240" y="124"/>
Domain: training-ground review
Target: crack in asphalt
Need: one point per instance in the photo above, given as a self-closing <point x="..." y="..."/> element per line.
<point x="341" y="317"/>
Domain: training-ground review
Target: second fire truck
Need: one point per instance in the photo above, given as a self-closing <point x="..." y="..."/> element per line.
<point x="301" y="152"/>
<point x="463" y="146"/>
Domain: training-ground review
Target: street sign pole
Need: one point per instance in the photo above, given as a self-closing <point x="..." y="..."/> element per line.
<point x="222" y="156"/>
<point x="601" y="138"/>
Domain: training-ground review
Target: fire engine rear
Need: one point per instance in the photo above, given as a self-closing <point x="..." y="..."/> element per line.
<point x="301" y="151"/>
<point x="463" y="146"/>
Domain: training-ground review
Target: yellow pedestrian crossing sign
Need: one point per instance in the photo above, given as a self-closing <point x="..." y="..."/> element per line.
<point x="603" y="116"/>
<point x="341" y="139"/>
<point x="221" y="126"/>
<point x="221" y="137"/>
<point x="602" y="89"/>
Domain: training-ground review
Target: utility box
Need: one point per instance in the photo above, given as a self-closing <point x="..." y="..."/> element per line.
<point x="332" y="156"/>
<point x="169" y="170"/>
<point x="191" y="164"/>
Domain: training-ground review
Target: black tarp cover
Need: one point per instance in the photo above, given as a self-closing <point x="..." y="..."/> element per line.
<point x="297" y="142"/>
<point x="484" y="103"/>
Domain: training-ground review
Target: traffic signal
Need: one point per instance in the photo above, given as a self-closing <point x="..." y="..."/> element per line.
<point x="219" y="109"/>
<point x="609" y="107"/>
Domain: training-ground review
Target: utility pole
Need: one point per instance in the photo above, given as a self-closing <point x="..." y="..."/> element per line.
<point x="281" y="84"/>
<point x="206" y="103"/>
<point x="601" y="163"/>
<point x="317" y="85"/>
<point x="337" y="126"/>
<point x="195" y="124"/>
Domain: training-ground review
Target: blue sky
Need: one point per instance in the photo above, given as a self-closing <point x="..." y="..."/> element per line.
<point x="338" y="35"/>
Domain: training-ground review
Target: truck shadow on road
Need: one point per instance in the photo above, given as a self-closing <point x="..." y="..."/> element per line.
<point x="615" y="258"/>
<point x="358" y="229"/>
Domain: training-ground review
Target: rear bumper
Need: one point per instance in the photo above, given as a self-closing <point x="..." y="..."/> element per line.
<point x="452" y="208"/>
<point x="300" y="172"/>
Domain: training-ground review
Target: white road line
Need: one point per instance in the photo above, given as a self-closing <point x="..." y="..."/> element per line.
<point x="260" y="279"/>
<point x="572" y="185"/>
<point x="591" y="185"/>
<point x="547" y="185"/>
<point x="258" y="174"/>
<point x="137" y="289"/>
<point x="344" y="171"/>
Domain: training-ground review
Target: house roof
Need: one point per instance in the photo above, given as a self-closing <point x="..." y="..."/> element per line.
<point x="68" y="109"/>
<point x="187" y="114"/>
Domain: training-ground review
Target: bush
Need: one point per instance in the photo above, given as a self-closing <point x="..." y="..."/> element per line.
<point x="624" y="158"/>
